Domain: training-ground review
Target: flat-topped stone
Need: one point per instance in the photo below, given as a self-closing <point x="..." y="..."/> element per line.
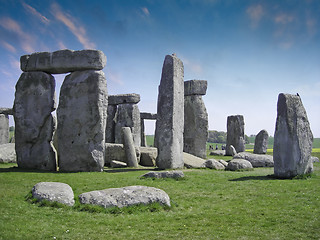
<point x="124" y="98"/>
<point x="63" y="61"/>
<point x="151" y="116"/>
<point x="6" y="111"/>
<point x="164" y="174"/>
<point x="195" y="87"/>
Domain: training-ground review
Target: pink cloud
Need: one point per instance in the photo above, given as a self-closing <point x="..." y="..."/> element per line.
<point x="283" y="19"/>
<point x="8" y="46"/>
<point x="145" y="11"/>
<point x="255" y="14"/>
<point x="34" y="12"/>
<point x="77" y="30"/>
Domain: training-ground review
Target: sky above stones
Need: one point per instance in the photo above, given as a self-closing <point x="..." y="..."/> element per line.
<point x="248" y="51"/>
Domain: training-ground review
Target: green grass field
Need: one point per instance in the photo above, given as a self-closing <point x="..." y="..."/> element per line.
<point x="207" y="204"/>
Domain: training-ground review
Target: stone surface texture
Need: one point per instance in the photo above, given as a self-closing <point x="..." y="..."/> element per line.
<point x="128" y="115"/>
<point x="148" y="156"/>
<point x="124" y="197"/>
<point x="6" y="111"/>
<point x="238" y="164"/>
<point x="195" y="126"/>
<point x="191" y="161"/>
<point x="218" y="153"/>
<point x="4" y="129"/>
<point x="293" y="138"/>
<point x="261" y="142"/>
<point x="63" y="61"/>
<point x="54" y="192"/>
<point x="256" y="160"/>
<point x="82" y="121"/>
<point x="129" y="148"/>
<point x="170" y="115"/>
<point x="214" y="164"/>
<point x="111" y="124"/>
<point x="164" y="174"/>
<point x="34" y="124"/>
<point x="115" y="151"/>
<point x="195" y="87"/>
<point x="132" y="98"/>
<point x="8" y="153"/>
<point x="235" y="134"/>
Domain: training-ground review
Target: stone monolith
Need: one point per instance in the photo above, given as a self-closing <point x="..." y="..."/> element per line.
<point x="34" y="124"/>
<point x="261" y="142"/>
<point x="4" y="128"/>
<point x="129" y="147"/>
<point x="235" y="134"/>
<point x="82" y="113"/>
<point x="293" y="138"/>
<point x="170" y="115"/>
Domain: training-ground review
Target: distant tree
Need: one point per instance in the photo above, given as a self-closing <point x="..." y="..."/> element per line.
<point x="11" y="129"/>
<point x="217" y="137"/>
<point x="246" y="138"/>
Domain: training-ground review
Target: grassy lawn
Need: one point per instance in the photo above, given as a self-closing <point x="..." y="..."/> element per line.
<point x="207" y="204"/>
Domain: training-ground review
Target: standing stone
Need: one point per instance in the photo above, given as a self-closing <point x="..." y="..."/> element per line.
<point x="4" y="129"/>
<point x="34" y="124"/>
<point x="111" y="124"/>
<point x="235" y="134"/>
<point x="261" y="142"/>
<point x="195" y="118"/>
<point x="293" y="138"/>
<point x="170" y="115"/>
<point x="129" y="147"/>
<point x="128" y="115"/>
<point x="82" y="121"/>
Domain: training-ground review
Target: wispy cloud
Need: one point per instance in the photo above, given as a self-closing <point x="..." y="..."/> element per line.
<point x="195" y="68"/>
<point x="283" y="19"/>
<point x="26" y="40"/>
<point x="77" y="30"/>
<point x="61" y="45"/>
<point x="8" y="46"/>
<point x="35" y="13"/>
<point x="115" y="77"/>
<point x="145" y="11"/>
<point x="255" y="13"/>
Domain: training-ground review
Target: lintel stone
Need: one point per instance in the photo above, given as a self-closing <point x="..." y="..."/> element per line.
<point x="124" y="98"/>
<point x="6" y="111"/>
<point x="195" y="87"/>
<point x="150" y="116"/>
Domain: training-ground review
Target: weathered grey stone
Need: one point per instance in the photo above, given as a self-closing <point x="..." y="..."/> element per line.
<point x="8" y="153"/>
<point x="195" y="126"/>
<point x="128" y="115"/>
<point x="129" y="148"/>
<point x="148" y="156"/>
<point x="150" y="116"/>
<point x="124" y="197"/>
<point x="223" y="162"/>
<point x="132" y="98"/>
<point x="218" y="153"/>
<point x="293" y="138"/>
<point x="63" y="61"/>
<point x="34" y="124"/>
<point x="195" y="87"/>
<point x="170" y="115"/>
<point x="164" y="174"/>
<point x="256" y="160"/>
<point x="6" y="111"/>
<point x="82" y="121"/>
<point x="238" y="164"/>
<point x="4" y="129"/>
<point x="214" y="164"/>
<point x="261" y="142"/>
<point x="54" y="192"/>
<point x="111" y="124"/>
<point x="314" y="159"/>
<point x="191" y="161"/>
<point x="233" y="150"/>
<point x="115" y="151"/>
<point x="235" y="134"/>
<point x="117" y="164"/>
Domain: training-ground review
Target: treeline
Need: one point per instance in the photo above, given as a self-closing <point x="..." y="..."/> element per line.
<point x="221" y="137"/>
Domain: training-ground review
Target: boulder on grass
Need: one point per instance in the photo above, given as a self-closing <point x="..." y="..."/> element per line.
<point x="124" y="197"/>
<point x="54" y="192"/>
<point x="191" y="161"/>
<point x="239" y="164"/>
<point x="163" y="174"/>
<point x="214" y="164"/>
<point x="218" y="153"/>
<point x="257" y="160"/>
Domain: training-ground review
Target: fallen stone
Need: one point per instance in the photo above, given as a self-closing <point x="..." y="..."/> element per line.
<point x="132" y="98"/>
<point x="170" y="115"/>
<point x="214" y="164"/>
<point x="124" y="197"/>
<point x="8" y="153"/>
<point x="63" y="61"/>
<point x="235" y="134"/>
<point x="256" y="160"/>
<point x="223" y="162"/>
<point x="191" y="161"/>
<point x="165" y="174"/>
<point x="148" y="156"/>
<point x="34" y="124"/>
<point x="82" y="121"/>
<point x="195" y="87"/>
<point x="239" y="164"/>
<point x="218" y="153"/>
<point x="117" y="164"/>
<point x="314" y="159"/>
<point x="54" y="192"/>
<point x="261" y="142"/>
<point x="293" y="138"/>
<point x="129" y="148"/>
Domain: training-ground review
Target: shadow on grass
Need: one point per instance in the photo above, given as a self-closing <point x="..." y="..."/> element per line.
<point x="121" y="170"/>
<point x="249" y="178"/>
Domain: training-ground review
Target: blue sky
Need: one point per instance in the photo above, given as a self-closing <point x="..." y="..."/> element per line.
<point x="248" y="51"/>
